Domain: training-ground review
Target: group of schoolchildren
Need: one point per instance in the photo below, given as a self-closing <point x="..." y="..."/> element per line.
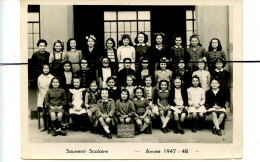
<point x="132" y="84"/>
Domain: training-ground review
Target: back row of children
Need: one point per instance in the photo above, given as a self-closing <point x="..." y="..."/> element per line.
<point x="110" y="104"/>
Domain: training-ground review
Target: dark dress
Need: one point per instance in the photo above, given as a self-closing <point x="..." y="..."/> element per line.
<point x="93" y="57"/>
<point x="186" y="77"/>
<point x="122" y="74"/>
<point x="176" y="54"/>
<point x="113" y="65"/>
<point x="154" y="55"/>
<point x="87" y="76"/>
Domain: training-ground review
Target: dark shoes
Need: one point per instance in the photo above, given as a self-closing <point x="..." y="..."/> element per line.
<point x="54" y="133"/>
<point x="219" y="132"/>
<point x="62" y="132"/>
<point x="194" y="130"/>
<point x="176" y="131"/>
<point x="43" y="129"/>
<point x="164" y="130"/>
<point x="109" y="136"/>
<point x="137" y="131"/>
<point x="148" y="131"/>
<point x="214" y="131"/>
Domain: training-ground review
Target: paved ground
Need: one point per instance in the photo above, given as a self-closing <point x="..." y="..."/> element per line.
<point x="204" y="136"/>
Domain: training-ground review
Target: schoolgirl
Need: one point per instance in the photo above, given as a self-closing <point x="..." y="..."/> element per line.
<point x="195" y="52"/>
<point x="86" y="74"/>
<point x="104" y="72"/>
<point x="55" y="101"/>
<point x="111" y="53"/>
<point x="203" y="74"/>
<point x="214" y="52"/>
<point x="142" y="118"/>
<point x="66" y="76"/>
<point x="43" y="82"/>
<point x="196" y="100"/>
<point x="125" y="109"/>
<point x="144" y="70"/>
<point x="215" y="103"/>
<point x="76" y="105"/>
<point x="130" y="85"/>
<point x="179" y="104"/>
<point x="126" y="50"/>
<point x="105" y="112"/>
<point x="125" y="72"/>
<point x="163" y="73"/>
<point x="184" y="73"/>
<point x="113" y="90"/>
<point x="91" y="52"/>
<point x="162" y="99"/>
<point x="56" y="58"/>
<point x="73" y="54"/>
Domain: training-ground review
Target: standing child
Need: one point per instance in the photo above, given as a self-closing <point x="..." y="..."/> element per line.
<point x="222" y="75"/>
<point x="105" y="112"/>
<point x="91" y="98"/>
<point x="111" y="53"/>
<point x="76" y="105"/>
<point x="196" y="100"/>
<point x="184" y="73"/>
<point x="195" y="52"/>
<point x="56" y="100"/>
<point x="125" y="72"/>
<point x="215" y="103"/>
<point x="140" y="47"/>
<point x="162" y="100"/>
<point x="86" y="74"/>
<point x="130" y="85"/>
<point x="125" y="108"/>
<point x="177" y="52"/>
<point x="104" y="72"/>
<point x="126" y="50"/>
<point x="143" y="70"/>
<point x="73" y="55"/>
<point x="113" y="90"/>
<point x="179" y="104"/>
<point x="56" y="58"/>
<point x="66" y="76"/>
<point x="43" y="82"/>
<point x="214" y="52"/>
<point x="163" y="73"/>
<point x="142" y="118"/>
<point x="203" y="74"/>
<point x="91" y="53"/>
<point x="159" y="50"/>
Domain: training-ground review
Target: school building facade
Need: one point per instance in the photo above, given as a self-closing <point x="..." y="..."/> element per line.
<point x="77" y="21"/>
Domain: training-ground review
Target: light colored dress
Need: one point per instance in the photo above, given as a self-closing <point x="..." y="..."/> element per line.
<point x="204" y="77"/>
<point x="77" y="101"/>
<point x="125" y="52"/>
<point x="196" y="96"/>
<point x="74" y="57"/>
<point x="43" y="83"/>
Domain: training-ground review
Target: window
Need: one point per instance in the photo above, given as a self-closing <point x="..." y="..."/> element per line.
<point x="117" y="23"/>
<point x="33" y="28"/>
<point x="190" y="24"/>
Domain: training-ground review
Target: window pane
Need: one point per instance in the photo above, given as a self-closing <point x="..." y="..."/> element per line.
<point x="133" y="26"/>
<point x="194" y="14"/>
<point x="149" y="38"/>
<point x="195" y="27"/>
<point x="114" y="36"/>
<point x="141" y="26"/>
<point x="144" y="15"/>
<point x="189" y="25"/>
<point x="113" y="27"/>
<point x="127" y="26"/>
<point x="121" y="26"/>
<point x="29" y="27"/>
<point x="36" y="28"/>
<point x="30" y="53"/>
<point x="110" y="15"/>
<point x="30" y="41"/>
<point x="120" y="34"/>
<point x="189" y="14"/>
<point x="133" y="36"/>
<point x="107" y="26"/>
<point x="127" y="15"/>
<point x="128" y="33"/>
<point x="107" y="35"/>
<point x="147" y="26"/>
<point x="33" y="16"/>
<point x="189" y="33"/>
<point x="36" y="38"/>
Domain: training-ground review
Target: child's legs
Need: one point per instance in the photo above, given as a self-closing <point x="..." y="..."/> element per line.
<point x="215" y="120"/>
<point x="146" y="124"/>
<point x="102" y="122"/>
<point x="122" y="120"/>
<point x="194" y="115"/>
<point x="162" y="116"/>
<point x="108" y="121"/>
<point x="59" y="115"/>
<point x="53" y="116"/>
<point x="139" y="123"/>
<point x="221" y="118"/>
<point x="183" y="116"/>
<point x="167" y="118"/>
<point x="201" y="115"/>
<point x="128" y="120"/>
<point x="176" y="116"/>
<point x="155" y="110"/>
<point x="90" y="116"/>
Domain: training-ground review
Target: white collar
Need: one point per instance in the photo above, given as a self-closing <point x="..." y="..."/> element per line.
<point x="141" y="44"/>
<point x="177" y="89"/>
<point x="114" y="88"/>
<point x="219" y="70"/>
<point x="140" y="99"/>
<point x="177" y="46"/>
<point x="163" y="91"/>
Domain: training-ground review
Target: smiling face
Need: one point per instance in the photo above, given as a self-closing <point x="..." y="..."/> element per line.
<point x="109" y="44"/>
<point x="214" y="44"/>
<point x="105" y="62"/>
<point x="163" y="65"/>
<point x="55" y="83"/>
<point x="111" y="83"/>
<point x="195" y="82"/>
<point x="124" y="95"/>
<point x="66" y="67"/>
<point x="215" y="84"/>
<point x="57" y="46"/>
<point x="194" y="42"/>
<point x="76" y="83"/>
<point x="91" y="42"/>
<point x="73" y="44"/>
<point x="46" y="69"/>
<point x="164" y="86"/>
<point x="139" y="93"/>
<point x="104" y="94"/>
<point x="129" y="81"/>
<point x="93" y="86"/>
<point x="201" y="65"/>
<point x="42" y="47"/>
<point x="148" y="81"/>
<point x="159" y="39"/>
<point x="140" y="38"/>
<point x="178" y="41"/>
<point x="126" y="41"/>
<point x="84" y="64"/>
<point x="177" y="83"/>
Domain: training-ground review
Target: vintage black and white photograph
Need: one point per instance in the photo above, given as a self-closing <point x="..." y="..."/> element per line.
<point x="130" y="74"/>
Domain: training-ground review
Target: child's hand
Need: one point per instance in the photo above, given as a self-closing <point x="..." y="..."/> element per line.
<point x="52" y="107"/>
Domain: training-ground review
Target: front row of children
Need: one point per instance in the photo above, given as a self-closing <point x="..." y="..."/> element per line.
<point x="110" y="106"/>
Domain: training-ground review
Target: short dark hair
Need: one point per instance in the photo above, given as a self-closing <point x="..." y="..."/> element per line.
<point x="126" y="36"/>
<point x="52" y="81"/>
<point x="128" y="94"/>
<point x="165" y="82"/>
<point x="112" y="40"/>
<point x="42" y="41"/>
<point x="145" y="37"/>
<point x="220" y="60"/>
<point x="196" y="77"/>
<point x="68" y="43"/>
